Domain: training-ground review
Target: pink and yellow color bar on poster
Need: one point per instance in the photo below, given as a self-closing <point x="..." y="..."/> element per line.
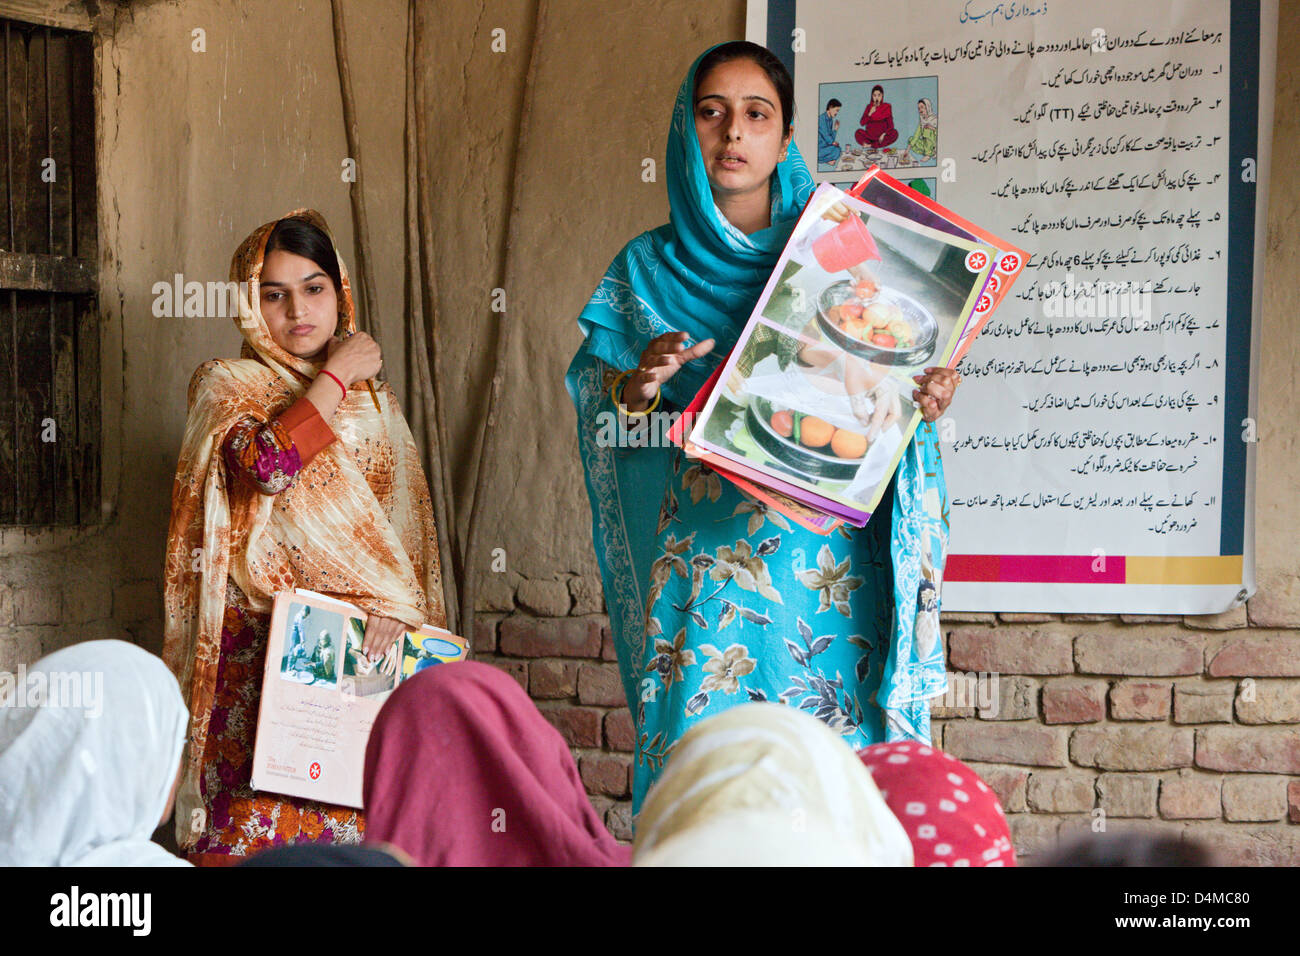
<point x="1090" y="569"/>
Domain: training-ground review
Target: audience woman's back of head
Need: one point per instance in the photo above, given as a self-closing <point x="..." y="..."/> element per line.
<point x="463" y="770"/>
<point x="766" y="784"/>
<point x="952" y="817"/>
<point x="90" y="749"/>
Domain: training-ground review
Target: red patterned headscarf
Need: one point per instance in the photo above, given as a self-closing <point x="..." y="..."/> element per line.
<point x="951" y="816"/>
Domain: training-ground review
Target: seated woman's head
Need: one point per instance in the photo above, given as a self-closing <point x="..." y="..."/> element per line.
<point x="299" y="288"/>
<point x="462" y="769"/>
<point x="1131" y="849"/>
<point x="743" y="107"/>
<point x="89" y="767"/>
<point x="766" y="784"/>
<point x="952" y="817"/>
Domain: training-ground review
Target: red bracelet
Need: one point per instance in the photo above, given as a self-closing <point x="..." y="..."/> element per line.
<point x="337" y="379"/>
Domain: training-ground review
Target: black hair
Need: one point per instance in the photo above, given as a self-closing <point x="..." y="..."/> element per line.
<point x="1131" y="850"/>
<point x="773" y="67"/>
<point x="300" y="237"/>
<point x="832" y="103"/>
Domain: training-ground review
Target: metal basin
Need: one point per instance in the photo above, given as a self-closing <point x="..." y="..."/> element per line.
<point x="790" y="453"/>
<point x="925" y="330"/>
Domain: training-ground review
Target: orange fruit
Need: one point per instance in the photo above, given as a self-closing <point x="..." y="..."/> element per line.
<point x="847" y="444"/>
<point x="814" y="432"/>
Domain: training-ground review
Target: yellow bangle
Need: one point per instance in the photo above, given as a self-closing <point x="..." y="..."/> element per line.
<point x="613" y="395"/>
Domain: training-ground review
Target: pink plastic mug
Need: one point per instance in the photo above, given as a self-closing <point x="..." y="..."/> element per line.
<point x="846" y="245"/>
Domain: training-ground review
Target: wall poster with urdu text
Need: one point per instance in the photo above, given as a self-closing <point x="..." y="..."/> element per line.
<point x="1100" y="454"/>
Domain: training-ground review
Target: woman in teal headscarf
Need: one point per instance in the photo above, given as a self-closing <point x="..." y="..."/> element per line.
<point x="715" y="600"/>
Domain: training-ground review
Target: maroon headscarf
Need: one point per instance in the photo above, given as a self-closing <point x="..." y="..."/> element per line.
<point x="462" y="770"/>
<point x="950" y="814"/>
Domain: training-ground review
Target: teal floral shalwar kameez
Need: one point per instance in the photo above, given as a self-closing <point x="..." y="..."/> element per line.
<point x="714" y="599"/>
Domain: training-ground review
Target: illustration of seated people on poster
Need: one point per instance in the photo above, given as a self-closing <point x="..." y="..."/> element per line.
<point x="887" y="123"/>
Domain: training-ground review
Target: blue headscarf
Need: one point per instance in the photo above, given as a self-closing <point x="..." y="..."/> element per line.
<point x="698" y="273"/>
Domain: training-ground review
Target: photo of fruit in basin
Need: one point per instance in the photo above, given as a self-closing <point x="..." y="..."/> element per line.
<point x="882" y="293"/>
<point x="812" y="444"/>
<point x="818" y="390"/>
<point x="878" y="323"/>
<point x="813" y="432"/>
<point x="808" y="410"/>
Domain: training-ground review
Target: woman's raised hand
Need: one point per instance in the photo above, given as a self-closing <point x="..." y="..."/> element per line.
<point x="355" y="358"/>
<point x="659" y="362"/>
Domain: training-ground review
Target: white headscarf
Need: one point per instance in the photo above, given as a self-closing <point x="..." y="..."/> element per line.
<point x="765" y="784"/>
<point x="90" y="743"/>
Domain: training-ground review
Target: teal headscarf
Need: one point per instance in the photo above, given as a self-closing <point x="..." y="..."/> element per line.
<point x="698" y="273"/>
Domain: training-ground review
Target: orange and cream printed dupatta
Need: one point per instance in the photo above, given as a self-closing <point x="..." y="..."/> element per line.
<point x="356" y="523"/>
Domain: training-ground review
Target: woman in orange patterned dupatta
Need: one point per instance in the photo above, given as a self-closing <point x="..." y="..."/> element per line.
<point x="288" y="477"/>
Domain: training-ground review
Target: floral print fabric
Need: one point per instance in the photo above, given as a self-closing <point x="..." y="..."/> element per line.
<point x="716" y="600"/>
<point x="263" y="453"/>
<point x="745" y="606"/>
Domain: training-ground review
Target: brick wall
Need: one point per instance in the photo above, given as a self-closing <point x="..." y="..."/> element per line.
<point x="57" y="597"/>
<point x="1183" y="725"/>
<point x="567" y="665"/>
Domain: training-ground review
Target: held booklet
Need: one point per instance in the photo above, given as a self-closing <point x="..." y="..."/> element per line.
<point x="814" y="402"/>
<point x="320" y="695"/>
